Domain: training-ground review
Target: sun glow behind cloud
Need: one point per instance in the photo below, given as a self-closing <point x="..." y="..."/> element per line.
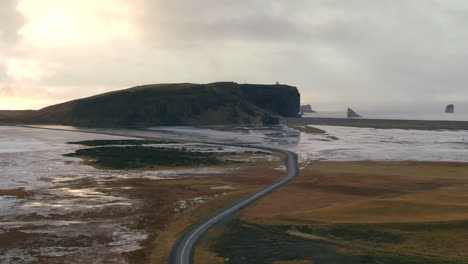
<point x="58" y="23"/>
<point x="334" y="51"/>
<point x="56" y="35"/>
<point x="32" y="70"/>
<point x="22" y="103"/>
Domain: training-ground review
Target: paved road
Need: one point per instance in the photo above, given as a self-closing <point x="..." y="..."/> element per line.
<point x="184" y="249"/>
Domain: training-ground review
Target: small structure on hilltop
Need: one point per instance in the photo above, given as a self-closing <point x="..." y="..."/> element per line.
<point x="352" y="113"/>
<point x="450" y="109"/>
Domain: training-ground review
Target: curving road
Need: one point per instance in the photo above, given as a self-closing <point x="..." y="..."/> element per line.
<point x="183" y="250"/>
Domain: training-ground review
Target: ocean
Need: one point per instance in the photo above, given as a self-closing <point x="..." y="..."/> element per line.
<point x="430" y="115"/>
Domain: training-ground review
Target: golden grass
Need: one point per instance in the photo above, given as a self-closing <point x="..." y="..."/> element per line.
<point x="368" y="192"/>
<point x="305" y="235"/>
<point x="166" y="239"/>
<point x="448" y="244"/>
<point x="389" y="211"/>
<point x="248" y="181"/>
<point x="294" y="262"/>
<point x="441" y="170"/>
<point x="203" y="253"/>
<point x="425" y="202"/>
<point x="205" y="256"/>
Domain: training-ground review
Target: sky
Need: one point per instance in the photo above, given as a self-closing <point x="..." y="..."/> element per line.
<point x="398" y="55"/>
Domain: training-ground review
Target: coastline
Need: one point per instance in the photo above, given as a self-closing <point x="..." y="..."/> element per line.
<point x="380" y="123"/>
<point x="165" y="225"/>
<point x="148" y="209"/>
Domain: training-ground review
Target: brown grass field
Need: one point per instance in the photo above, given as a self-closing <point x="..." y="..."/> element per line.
<point x="394" y="212"/>
<point x="252" y="177"/>
<point x="156" y="208"/>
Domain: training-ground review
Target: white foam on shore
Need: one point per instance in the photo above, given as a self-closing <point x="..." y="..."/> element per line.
<point x="355" y="144"/>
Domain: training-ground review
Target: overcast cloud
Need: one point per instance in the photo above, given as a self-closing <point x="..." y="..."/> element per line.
<point x="363" y="53"/>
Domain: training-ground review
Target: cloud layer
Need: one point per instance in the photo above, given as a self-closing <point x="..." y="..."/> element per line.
<point x="365" y="53"/>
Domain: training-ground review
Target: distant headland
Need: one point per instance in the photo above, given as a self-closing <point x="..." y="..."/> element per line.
<point x="170" y="104"/>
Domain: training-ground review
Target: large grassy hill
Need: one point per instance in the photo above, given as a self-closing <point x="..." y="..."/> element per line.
<point x="172" y="104"/>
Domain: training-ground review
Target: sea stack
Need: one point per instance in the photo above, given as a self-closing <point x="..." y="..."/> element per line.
<point x="306" y="109"/>
<point x="450" y="109"/>
<point x="352" y="113"/>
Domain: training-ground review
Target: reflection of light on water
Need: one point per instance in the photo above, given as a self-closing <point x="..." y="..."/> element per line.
<point x="7" y="204"/>
<point x="16" y="224"/>
<point x="235" y="134"/>
<point x="34" y="160"/>
<point x="352" y="144"/>
<point x="179" y="173"/>
<point x="383" y="144"/>
<point x="86" y="192"/>
<point x="126" y="240"/>
<point x="123" y="239"/>
<point x="438" y="115"/>
<point x="70" y="200"/>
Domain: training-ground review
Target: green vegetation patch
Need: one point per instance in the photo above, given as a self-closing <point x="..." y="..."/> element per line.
<point x="246" y="243"/>
<point x="105" y="142"/>
<point x="353" y="233"/>
<point x="135" y="157"/>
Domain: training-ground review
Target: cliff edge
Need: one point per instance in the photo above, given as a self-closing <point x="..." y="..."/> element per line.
<point x="173" y="104"/>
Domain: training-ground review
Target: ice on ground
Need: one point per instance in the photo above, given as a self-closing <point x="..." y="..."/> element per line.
<point x="224" y="187"/>
<point x="338" y="143"/>
<point x="183" y="205"/>
<point x="32" y="159"/>
<point x="371" y="144"/>
<point x="66" y="199"/>
<point x="179" y="173"/>
<point x="29" y="156"/>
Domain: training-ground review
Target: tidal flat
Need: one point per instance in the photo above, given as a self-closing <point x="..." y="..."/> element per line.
<point x="71" y="211"/>
<point x="55" y="209"/>
<point x="139" y="157"/>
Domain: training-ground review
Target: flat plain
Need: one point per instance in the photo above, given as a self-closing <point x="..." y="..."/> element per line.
<point x="354" y="212"/>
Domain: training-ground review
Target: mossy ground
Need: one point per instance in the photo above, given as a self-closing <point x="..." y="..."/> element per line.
<point x="137" y="157"/>
<point x="106" y="142"/>
<point x="249" y="243"/>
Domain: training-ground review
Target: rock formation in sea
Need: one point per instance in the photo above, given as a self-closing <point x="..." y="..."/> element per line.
<point x="450" y="109"/>
<point x="352" y="113"/>
<point x="306" y="109"/>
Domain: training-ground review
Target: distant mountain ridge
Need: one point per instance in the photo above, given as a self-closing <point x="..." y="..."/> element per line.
<point x="171" y="104"/>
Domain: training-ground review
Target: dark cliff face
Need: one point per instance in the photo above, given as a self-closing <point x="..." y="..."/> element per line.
<point x="281" y="99"/>
<point x="177" y="104"/>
